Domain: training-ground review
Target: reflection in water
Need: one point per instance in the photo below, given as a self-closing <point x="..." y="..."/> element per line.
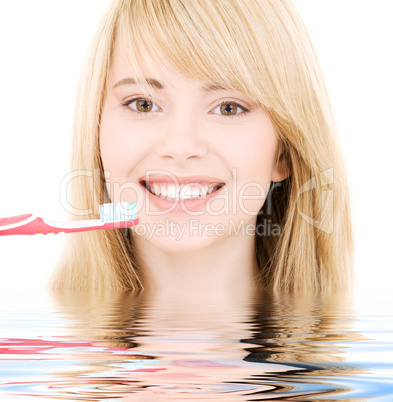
<point x="127" y="347"/>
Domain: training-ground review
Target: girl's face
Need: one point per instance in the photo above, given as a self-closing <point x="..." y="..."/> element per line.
<point x="198" y="159"/>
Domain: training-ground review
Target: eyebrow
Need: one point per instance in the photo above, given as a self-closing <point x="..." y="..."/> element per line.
<point x="157" y="84"/>
<point x="132" y="81"/>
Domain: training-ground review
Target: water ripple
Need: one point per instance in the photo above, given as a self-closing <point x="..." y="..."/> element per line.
<point x="123" y="347"/>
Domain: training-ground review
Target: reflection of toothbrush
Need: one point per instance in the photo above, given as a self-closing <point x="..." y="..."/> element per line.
<point x="112" y="216"/>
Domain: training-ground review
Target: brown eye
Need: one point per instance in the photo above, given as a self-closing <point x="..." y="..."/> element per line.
<point x="144" y="105"/>
<point x="228" y="109"/>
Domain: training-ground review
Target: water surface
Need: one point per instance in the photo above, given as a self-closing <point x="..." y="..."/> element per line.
<point x="107" y="347"/>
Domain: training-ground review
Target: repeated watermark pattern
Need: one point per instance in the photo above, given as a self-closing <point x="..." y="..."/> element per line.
<point x="197" y="228"/>
<point x="233" y="202"/>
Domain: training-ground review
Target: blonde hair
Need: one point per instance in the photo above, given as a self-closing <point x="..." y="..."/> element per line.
<point x="260" y="48"/>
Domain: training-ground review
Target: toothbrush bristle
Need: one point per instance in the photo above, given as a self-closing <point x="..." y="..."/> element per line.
<point x="121" y="211"/>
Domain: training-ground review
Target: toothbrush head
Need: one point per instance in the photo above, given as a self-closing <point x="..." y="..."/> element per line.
<point x="122" y="211"/>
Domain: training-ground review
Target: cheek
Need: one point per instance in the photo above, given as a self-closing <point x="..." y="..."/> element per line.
<point x="253" y="156"/>
<point x="121" y="146"/>
<point x="120" y="154"/>
<point x="261" y="158"/>
<point x="254" y="162"/>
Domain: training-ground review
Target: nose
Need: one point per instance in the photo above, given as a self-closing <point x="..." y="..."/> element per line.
<point x="182" y="139"/>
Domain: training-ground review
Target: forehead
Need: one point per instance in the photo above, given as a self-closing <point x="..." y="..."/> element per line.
<point x="142" y="67"/>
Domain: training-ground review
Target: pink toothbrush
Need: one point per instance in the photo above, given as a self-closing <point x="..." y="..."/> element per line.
<point x="112" y="216"/>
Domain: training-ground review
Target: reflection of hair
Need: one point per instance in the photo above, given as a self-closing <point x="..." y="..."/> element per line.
<point x="261" y="49"/>
<point x="109" y="318"/>
<point x="303" y="337"/>
<point x="294" y="328"/>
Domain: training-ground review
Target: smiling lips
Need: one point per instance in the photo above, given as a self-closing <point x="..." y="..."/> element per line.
<point x="181" y="189"/>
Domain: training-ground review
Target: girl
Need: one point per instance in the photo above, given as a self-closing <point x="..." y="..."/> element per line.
<point x="212" y="116"/>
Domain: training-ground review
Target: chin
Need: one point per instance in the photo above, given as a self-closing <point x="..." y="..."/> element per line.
<point x="181" y="244"/>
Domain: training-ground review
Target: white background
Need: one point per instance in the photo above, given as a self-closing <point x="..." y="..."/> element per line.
<point x="42" y="48"/>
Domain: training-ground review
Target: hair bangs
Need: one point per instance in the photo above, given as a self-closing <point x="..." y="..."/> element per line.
<point x="188" y="37"/>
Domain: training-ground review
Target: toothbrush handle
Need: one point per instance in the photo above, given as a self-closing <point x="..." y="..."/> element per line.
<point x="19" y="224"/>
<point x="28" y="224"/>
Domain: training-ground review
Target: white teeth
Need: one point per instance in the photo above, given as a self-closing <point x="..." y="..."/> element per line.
<point x="157" y="189"/>
<point x="182" y="192"/>
<point x="172" y="191"/>
<point x="195" y="192"/>
<point x="186" y="192"/>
